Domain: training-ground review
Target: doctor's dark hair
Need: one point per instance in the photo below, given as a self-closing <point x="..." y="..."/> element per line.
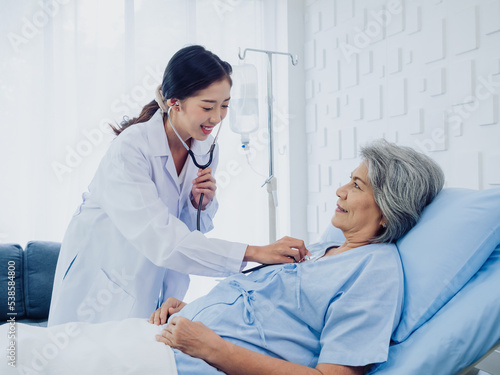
<point x="190" y="70"/>
<point x="404" y="181"/>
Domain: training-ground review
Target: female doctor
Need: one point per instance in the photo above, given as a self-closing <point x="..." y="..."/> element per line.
<point x="133" y="240"/>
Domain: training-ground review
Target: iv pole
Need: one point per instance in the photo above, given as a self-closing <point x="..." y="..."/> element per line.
<point x="271" y="180"/>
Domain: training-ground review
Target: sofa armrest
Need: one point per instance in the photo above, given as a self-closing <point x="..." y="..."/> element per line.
<point x="40" y="260"/>
<point x="11" y="282"/>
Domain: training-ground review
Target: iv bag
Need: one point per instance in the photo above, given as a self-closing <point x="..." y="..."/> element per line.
<point x="244" y="107"/>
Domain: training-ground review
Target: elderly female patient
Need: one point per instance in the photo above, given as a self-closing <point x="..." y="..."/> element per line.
<point x="331" y="314"/>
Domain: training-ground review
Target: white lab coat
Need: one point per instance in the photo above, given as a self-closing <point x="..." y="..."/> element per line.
<point x="133" y="241"/>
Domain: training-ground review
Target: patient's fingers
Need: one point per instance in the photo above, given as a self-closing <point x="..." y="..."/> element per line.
<point x="167" y="334"/>
<point x="164" y="338"/>
<point x="192" y="338"/>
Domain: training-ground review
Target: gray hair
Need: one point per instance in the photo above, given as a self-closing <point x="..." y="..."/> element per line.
<point x="404" y="181"/>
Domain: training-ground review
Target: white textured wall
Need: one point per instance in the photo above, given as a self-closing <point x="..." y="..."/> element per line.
<point x="420" y="73"/>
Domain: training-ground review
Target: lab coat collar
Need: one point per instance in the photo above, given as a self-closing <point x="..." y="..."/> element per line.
<point x="156" y="135"/>
<point x="158" y="142"/>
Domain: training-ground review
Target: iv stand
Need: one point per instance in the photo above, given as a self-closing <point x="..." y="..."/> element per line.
<point x="271" y="181"/>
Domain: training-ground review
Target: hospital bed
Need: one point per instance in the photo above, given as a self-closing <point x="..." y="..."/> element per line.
<point x="450" y="322"/>
<point x="451" y="307"/>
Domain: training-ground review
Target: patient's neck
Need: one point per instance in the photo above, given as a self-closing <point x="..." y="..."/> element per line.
<point x="347" y="245"/>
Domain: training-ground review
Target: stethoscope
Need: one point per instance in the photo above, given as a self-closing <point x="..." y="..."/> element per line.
<point x="190" y="152"/>
<point x="201" y="166"/>
<point x="306" y="258"/>
<point x="161" y="102"/>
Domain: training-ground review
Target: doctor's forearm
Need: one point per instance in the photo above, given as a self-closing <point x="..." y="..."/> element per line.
<point x="263" y="254"/>
<point x="251" y="254"/>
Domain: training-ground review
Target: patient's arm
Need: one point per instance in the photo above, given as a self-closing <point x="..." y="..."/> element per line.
<point x="197" y="340"/>
<point x="168" y="308"/>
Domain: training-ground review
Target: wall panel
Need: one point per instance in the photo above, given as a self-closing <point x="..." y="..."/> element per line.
<point x="420" y="73"/>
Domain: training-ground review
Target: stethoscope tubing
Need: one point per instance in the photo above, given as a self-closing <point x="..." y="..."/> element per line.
<point x="206" y="165"/>
<point x="198" y="216"/>
<point x="257" y="268"/>
<point x="308" y="257"/>
<point x="198" y="165"/>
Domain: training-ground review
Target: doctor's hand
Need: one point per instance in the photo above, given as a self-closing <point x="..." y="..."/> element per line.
<point x="192" y="338"/>
<point x="168" y="308"/>
<point x="204" y="183"/>
<point x="285" y="250"/>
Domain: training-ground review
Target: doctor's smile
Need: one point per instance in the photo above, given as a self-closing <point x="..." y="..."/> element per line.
<point x="207" y="129"/>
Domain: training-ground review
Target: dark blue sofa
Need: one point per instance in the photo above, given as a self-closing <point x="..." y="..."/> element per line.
<point x="26" y="278"/>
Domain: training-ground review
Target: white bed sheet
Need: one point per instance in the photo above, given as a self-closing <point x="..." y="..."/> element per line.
<point x="127" y="347"/>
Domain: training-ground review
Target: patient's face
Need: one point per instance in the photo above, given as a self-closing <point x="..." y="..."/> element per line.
<point x="357" y="214"/>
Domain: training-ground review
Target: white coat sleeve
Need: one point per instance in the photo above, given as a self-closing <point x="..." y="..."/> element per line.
<point x="129" y="197"/>
<point x="189" y="214"/>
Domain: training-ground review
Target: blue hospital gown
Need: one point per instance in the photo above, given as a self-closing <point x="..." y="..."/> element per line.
<point x="339" y="309"/>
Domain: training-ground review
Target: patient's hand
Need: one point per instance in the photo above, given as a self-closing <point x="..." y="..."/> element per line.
<point x="168" y="308"/>
<point x="192" y="338"/>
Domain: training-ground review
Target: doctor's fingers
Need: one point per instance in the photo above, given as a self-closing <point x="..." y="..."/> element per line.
<point x="204" y="172"/>
<point x="171" y="306"/>
<point x="279" y="253"/>
<point x="207" y="185"/>
<point x="154" y="318"/>
<point x="164" y="313"/>
<point x="204" y="178"/>
<point x="207" y="170"/>
<point x="299" y="250"/>
<point x="207" y="197"/>
<point x="160" y="316"/>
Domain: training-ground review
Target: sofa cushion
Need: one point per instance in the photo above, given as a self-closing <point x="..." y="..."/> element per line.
<point x="40" y="259"/>
<point x="11" y="260"/>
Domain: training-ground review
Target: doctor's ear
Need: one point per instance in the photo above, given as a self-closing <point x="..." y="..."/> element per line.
<point x="174" y="102"/>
